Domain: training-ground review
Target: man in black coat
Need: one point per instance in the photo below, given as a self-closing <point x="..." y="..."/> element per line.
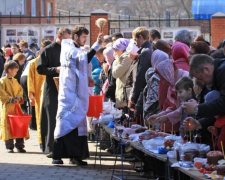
<point x="49" y="65"/>
<point x="212" y="74"/>
<point x="141" y="37"/>
<point x="2" y="62"/>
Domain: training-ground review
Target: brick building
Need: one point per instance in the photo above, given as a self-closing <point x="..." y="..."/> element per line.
<point x="16" y="17"/>
<point x="217" y="28"/>
<point x="25" y="11"/>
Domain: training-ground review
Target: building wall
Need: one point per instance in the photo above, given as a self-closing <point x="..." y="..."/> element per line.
<point x="217" y="30"/>
<point x="26" y="19"/>
<point x="94" y="29"/>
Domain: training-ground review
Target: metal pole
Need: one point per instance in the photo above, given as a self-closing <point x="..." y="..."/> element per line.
<point x="40" y="19"/>
<point x="20" y="17"/>
<point x="119" y="23"/>
<point x="30" y="17"/>
<point x="10" y="14"/>
<point x="129" y="21"/>
<point x="69" y="17"/>
<point x="139" y="20"/>
<point x="159" y="22"/>
<point x="59" y="17"/>
<point x="79" y="17"/>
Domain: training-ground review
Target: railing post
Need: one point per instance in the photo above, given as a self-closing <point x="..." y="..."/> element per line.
<point x="79" y="17"/>
<point x="119" y="23"/>
<point x="40" y="19"/>
<point x="20" y="17"/>
<point x="129" y="21"/>
<point x="10" y="14"/>
<point x="159" y="22"/>
<point x="30" y="18"/>
<point x="139" y="20"/>
<point x="59" y="17"/>
<point x="178" y="21"/>
<point x="69" y="17"/>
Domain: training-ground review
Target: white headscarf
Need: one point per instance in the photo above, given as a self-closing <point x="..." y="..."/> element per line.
<point x="157" y="57"/>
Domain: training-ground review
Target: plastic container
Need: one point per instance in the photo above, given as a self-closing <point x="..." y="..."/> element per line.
<point x="95" y="106"/>
<point x="19" y="123"/>
<point x="171" y="154"/>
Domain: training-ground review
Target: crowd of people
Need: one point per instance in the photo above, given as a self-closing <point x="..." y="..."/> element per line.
<point x="173" y="87"/>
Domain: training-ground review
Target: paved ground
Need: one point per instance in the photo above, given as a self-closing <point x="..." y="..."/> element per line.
<point x="34" y="165"/>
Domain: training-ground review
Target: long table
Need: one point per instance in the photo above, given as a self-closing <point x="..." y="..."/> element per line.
<point x="179" y="173"/>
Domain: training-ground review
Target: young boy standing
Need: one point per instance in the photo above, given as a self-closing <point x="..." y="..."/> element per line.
<point x="10" y="93"/>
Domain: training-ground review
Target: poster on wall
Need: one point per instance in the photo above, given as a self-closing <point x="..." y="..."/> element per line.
<point x="10" y="40"/>
<point x="33" y="36"/>
<point x="15" y="34"/>
<point x="11" y="32"/>
<point x="32" y="32"/>
<point x="49" y="33"/>
<point x="127" y="35"/>
<point x="169" y="34"/>
<point x="21" y="32"/>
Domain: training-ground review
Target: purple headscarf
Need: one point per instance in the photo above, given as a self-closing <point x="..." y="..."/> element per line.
<point x="121" y="44"/>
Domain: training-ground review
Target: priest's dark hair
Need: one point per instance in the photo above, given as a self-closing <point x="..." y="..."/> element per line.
<point x="79" y="30"/>
<point x="10" y="65"/>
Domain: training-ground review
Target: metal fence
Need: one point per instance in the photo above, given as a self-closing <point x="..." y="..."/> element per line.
<point x="60" y="18"/>
<point x="127" y="22"/>
<point x="116" y="23"/>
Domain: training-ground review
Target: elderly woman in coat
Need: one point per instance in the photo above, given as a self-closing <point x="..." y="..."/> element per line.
<point x="120" y="70"/>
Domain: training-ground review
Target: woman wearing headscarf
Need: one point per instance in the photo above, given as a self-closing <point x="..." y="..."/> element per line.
<point x="120" y="68"/>
<point x="183" y="36"/>
<point x="157" y="57"/>
<point x="180" y="53"/>
<point x="151" y="91"/>
<point x="171" y="75"/>
<point x="109" y="87"/>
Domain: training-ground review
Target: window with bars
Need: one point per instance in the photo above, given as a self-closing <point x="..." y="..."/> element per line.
<point x="33" y="7"/>
<point x="13" y="7"/>
<point x="43" y="8"/>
